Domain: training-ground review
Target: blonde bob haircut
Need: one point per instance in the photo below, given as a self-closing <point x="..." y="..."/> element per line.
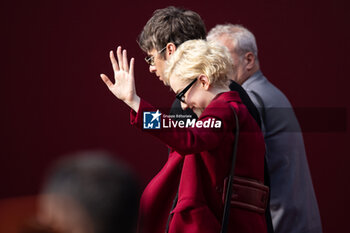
<point x="196" y="57"/>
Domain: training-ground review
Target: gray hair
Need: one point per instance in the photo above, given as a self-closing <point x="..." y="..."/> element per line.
<point x="243" y="40"/>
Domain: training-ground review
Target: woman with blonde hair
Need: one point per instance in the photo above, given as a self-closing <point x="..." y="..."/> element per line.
<point x="201" y="152"/>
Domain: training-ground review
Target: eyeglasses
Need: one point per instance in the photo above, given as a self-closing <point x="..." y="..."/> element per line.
<point x="181" y="95"/>
<point x="150" y="59"/>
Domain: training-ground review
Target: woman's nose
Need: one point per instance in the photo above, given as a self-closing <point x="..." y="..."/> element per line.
<point x="184" y="105"/>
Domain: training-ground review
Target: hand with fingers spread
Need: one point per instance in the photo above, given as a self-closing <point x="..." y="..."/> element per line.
<point x="124" y="81"/>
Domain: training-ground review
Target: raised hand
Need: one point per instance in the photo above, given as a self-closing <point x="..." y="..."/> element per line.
<point x="124" y="81"/>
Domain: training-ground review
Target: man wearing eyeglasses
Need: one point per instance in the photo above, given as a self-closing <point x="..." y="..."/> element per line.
<point x="167" y="29"/>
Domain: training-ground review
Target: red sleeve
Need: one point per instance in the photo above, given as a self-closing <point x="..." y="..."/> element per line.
<point x="136" y="118"/>
<point x="189" y="140"/>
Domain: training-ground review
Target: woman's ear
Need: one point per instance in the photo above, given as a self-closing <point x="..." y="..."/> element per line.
<point x="204" y="81"/>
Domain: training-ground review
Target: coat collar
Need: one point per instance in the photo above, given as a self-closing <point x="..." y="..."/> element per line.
<point x="257" y="75"/>
<point x="228" y="96"/>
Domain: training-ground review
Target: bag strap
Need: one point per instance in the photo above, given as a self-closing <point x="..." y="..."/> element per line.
<point x="225" y="218"/>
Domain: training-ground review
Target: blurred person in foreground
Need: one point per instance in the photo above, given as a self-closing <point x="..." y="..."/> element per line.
<point x="293" y="201"/>
<point x="200" y="157"/>
<point x="90" y="192"/>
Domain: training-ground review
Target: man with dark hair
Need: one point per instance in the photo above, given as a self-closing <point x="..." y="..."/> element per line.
<point x="167" y="29"/>
<point x="171" y="24"/>
<point x="90" y="193"/>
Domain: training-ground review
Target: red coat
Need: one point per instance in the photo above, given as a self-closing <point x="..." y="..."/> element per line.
<point x="199" y="160"/>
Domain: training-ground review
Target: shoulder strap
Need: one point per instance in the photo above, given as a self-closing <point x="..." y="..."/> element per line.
<point x="225" y="218"/>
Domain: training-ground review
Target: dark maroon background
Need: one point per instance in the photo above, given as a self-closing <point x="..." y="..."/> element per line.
<point x="53" y="101"/>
